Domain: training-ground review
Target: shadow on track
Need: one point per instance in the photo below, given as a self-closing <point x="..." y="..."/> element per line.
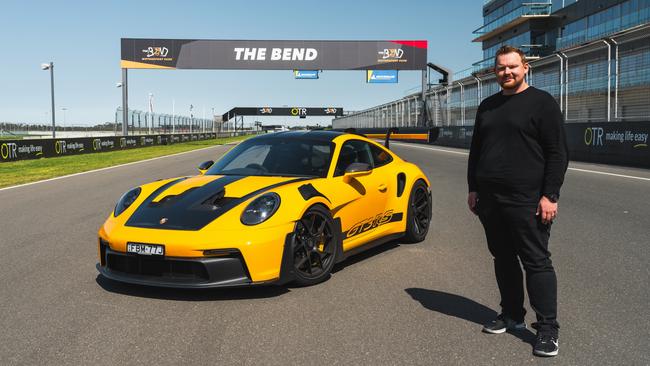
<point x="356" y="258"/>
<point x="463" y="308"/>
<point x="215" y="294"/>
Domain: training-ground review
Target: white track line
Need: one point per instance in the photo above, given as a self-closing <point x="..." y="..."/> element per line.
<point x="573" y="169"/>
<point x="108" y="167"/>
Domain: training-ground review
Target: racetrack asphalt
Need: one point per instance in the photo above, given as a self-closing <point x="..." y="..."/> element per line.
<point x="397" y="304"/>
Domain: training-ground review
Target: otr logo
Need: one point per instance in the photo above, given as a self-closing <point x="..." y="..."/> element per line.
<point x="298" y="111"/>
<point x="8" y="150"/>
<point x="59" y="147"/>
<point x="594" y="136"/>
<point x="97" y="144"/>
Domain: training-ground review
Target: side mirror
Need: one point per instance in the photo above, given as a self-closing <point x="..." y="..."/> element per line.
<point x="356" y="170"/>
<point x="204" y="166"/>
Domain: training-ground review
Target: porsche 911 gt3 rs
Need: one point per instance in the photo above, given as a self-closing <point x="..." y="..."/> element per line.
<point x="276" y="208"/>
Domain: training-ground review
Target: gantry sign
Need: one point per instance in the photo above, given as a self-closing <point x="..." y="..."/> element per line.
<point x="273" y="55"/>
<point x="282" y="111"/>
<point x="141" y="53"/>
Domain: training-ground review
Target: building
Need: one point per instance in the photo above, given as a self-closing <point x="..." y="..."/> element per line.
<point x="592" y="56"/>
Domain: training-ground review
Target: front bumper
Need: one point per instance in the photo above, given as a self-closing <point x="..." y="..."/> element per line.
<point x="228" y="270"/>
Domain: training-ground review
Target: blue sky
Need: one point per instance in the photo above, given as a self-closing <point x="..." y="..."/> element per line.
<point x="82" y="38"/>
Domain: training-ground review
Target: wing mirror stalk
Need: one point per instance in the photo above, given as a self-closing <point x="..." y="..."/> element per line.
<point x="204" y="166"/>
<point x="356" y="170"/>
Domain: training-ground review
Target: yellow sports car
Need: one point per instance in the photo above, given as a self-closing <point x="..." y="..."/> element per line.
<point x="276" y="208"/>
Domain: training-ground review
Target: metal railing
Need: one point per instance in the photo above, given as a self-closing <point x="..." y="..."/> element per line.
<point x="607" y="80"/>
<point x="140" y="122"/>
<point x="525" y="9"/>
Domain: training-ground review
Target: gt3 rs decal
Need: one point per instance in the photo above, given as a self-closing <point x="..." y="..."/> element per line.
<point x="372" y="223"/>
<point x="194" y="208"/>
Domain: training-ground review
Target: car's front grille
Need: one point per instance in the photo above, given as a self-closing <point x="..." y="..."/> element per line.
<point x="152" y="266"/>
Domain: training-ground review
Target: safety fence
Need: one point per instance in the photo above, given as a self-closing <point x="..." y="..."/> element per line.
<point x="604" y="81"/>
<point x="140" y="123"/>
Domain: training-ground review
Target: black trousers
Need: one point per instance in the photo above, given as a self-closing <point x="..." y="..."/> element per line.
<point x="515" y="233"/>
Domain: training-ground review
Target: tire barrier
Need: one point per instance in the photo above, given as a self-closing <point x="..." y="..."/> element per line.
<point x="13" y="150"/>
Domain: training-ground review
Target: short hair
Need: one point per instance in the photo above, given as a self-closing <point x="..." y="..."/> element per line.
<point x="505" y="49"/>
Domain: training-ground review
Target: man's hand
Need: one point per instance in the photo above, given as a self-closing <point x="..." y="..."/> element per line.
<point x="472" y="198"/>
<point x="547" y="209"/>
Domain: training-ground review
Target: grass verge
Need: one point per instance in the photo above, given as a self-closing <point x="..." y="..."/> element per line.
<point x="25" y="171"/>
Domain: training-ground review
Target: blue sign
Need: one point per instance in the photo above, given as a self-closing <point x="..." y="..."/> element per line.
<point x="381" y="76"/>
<point x="305" y="74"/>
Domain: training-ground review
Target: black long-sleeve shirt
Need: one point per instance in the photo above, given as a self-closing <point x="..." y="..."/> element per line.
<point x="519" y="150"/>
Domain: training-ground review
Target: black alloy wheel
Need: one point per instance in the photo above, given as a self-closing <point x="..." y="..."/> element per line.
<point x="314" y="246"/>
<point x="419" y="213"/>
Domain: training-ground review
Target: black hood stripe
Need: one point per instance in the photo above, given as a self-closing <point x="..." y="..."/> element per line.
<point x="194" y="208"/>
<point x="181" y="210"/>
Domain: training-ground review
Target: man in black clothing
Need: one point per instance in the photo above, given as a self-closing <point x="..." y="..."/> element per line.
<point x="516" y="167"/>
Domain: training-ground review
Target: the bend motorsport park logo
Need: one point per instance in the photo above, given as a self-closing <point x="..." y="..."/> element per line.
<point x="329" y="110"/>
<point x="266" y="110"/>
<point x="391" y="55"/>
<point x="602" y="136"/>
<point x="156" y="53"/>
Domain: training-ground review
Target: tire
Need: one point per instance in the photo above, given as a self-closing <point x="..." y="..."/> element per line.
<point x="418" y="218"/>
<point x="314" y="246"/>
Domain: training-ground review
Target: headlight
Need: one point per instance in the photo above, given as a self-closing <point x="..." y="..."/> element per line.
<point x="260" y="209"/>
<point x="126" y="200"/>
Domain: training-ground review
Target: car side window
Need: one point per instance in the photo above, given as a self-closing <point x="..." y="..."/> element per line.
<point x="353" y="151"/>
<point x="380" y="157"/>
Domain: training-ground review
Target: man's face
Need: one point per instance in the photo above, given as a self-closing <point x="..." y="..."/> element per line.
<point x="510" y="70"/>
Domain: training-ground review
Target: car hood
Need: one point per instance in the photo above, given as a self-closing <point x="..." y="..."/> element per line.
<point x="192" y="203"/>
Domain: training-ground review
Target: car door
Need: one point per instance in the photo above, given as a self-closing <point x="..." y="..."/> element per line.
<point x="360" y="201"/>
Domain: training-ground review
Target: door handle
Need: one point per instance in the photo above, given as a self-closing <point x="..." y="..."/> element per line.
<point x="382" y="187"/>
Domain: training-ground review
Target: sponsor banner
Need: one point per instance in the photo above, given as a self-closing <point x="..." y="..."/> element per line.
<point x="305" y="74"/>
<point x="455" y="136"/>
<point x="273" y="54"/>
<point x="618" y="143"/>
<point x="12" y="150"/>
<point x="274" y="111"/>
<point x="381" y="76"/>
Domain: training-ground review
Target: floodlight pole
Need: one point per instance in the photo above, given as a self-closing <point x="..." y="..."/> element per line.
<point x="50" y="67"/>
<point x="125" y="102"/>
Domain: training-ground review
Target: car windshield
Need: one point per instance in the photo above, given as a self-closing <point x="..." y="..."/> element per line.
<point x="276" y="157"/>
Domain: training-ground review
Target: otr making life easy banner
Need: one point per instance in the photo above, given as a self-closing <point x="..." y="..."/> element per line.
<point x="141" y="53"/>
<point x="619" y="143"/>
<point x="13" y="150"/>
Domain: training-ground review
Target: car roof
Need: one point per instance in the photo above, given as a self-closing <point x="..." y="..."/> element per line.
<point x="317" y="135"/>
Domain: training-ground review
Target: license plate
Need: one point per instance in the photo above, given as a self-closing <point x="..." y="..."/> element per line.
<point x="145" y="249"/>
